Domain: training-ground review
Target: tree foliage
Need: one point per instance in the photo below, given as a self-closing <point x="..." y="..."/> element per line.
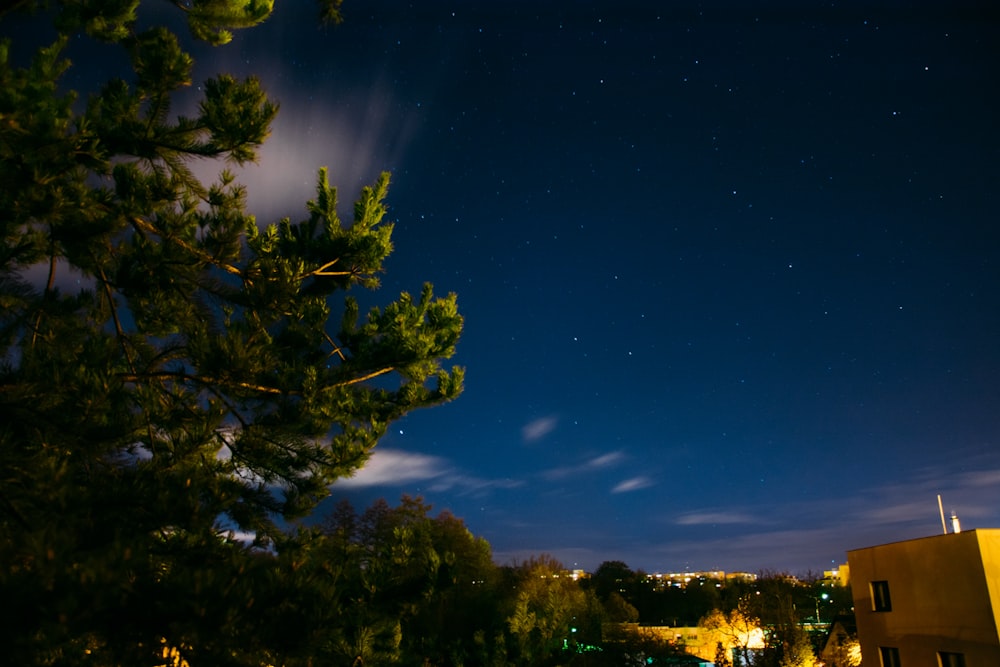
<point x="411" y="588"/>
<point x="737" y="632"/>
<point x="613" y="576"/>
<point x="174" y="376"/>
<point x="546" y="610"/>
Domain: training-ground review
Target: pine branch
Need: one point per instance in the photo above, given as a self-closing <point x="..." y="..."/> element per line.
<point x="322" y="271"/>
<point x="206" y="381"/>
<point x="337" y="350"/>
<point x="122" y="341"/>
<point x="209" y="381"/>
<point x="373" y="374"/>
<point x="146" y="227"/>
<point x="49" y="285"/>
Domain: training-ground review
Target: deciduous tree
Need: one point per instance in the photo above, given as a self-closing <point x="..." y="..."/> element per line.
<point x="411" y="586"/>
<point x="545" y="607"/>
<point x="737" y="631"/>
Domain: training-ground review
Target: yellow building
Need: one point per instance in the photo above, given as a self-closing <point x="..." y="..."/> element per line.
<point x="839" y="576"/>
<point x="929" y="602"/>
<point x="697" y="641"/>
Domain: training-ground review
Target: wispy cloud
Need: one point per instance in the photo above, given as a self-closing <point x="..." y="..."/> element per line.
<point x="394" y="467"/>
<point x="889" y="512"/>
<point x="602" y="462"/>
<point x="389" y="467"/>
<point x="358" y="133"/>
<point x="632" y="484"/>
<point x="982" y="478"/>
<point x="539" y="428"/>
<point x="715" y="518"/>
<point x="755" y="535"/>
<point x="244" y="536"/>
<point x="912" y="501"/>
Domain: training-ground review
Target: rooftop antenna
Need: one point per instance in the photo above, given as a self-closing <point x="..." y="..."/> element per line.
<point x="944" y="526"/>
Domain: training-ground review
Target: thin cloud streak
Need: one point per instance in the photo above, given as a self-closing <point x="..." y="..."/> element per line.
<point x="632" y="484"/>
<point x="355" y="134"/>
<point x="756" y="537"/>
<point x="714" y="518"/>
<point x="393" y="467"/>
<point x="597" y="463"/>
<point x="982" y="478"/>
<point x="538" y="428"/>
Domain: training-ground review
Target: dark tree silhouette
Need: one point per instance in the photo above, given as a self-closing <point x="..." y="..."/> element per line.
<point x="200" y="379"/>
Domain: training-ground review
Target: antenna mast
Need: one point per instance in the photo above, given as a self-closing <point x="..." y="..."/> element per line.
<point x="944" y="526"/>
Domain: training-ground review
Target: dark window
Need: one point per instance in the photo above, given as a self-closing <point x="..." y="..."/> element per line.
<point x="946" y="659"/>
<point x="880" y="596"/>
<point x="889" y="655"/>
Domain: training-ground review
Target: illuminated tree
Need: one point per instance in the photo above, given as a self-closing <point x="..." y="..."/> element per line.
<point x="175" y="380"/>
<point x="738" y="632"/>
<point x="787" y="644"/>
<point x="797" y="651"/>
<point x="848" y="653"/>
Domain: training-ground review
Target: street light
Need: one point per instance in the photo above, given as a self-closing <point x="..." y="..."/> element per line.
<point x="824" y="597"/>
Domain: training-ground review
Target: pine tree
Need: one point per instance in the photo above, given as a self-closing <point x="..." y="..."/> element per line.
<point x="173" y="377"/>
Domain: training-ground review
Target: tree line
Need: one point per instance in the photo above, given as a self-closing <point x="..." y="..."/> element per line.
<point x="398" y="585"/>
<point x="405" y="587"/>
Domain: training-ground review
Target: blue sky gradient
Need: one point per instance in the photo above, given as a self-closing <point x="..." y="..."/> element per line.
<point x="730" y="274"/>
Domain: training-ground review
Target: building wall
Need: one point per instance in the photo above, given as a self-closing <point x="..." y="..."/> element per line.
<point x="696" y="640"/>
<point x="841" y="576"/>
<point x="944" y="593"/>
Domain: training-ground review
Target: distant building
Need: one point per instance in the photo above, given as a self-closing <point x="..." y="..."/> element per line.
<point x="697" y="641"/>
<point x="839" y="576"/>
<point x="929" y="602"/>
<point x="661" y="580"/>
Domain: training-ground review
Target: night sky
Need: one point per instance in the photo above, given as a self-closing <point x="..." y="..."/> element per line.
<point x="729" y="271"/>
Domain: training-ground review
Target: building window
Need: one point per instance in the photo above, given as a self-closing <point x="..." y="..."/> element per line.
<point x="946" y="659"/>
<point x="889" y="655"/>
<point x="880" y="596"/>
